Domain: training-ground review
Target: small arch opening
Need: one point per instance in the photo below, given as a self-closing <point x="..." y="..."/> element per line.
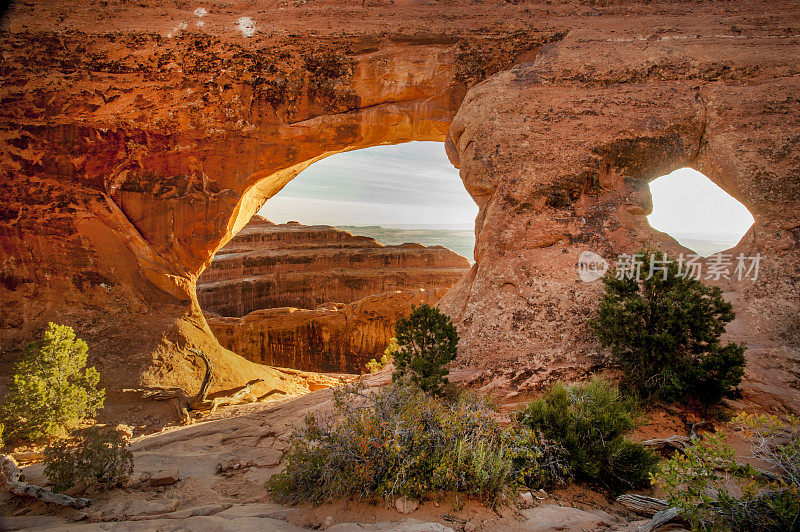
<point x="696" y="212"/>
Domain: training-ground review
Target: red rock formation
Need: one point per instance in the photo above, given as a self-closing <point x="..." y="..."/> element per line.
<point x="621" y="120"/>
<point x="128" y="157"/>
<point x="333" y="337"/>
<point x="131" y="151"/>
<point x="293" y="265"/>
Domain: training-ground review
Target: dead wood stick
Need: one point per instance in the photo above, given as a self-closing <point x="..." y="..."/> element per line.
<point x="642" y="504"/>
<point x="269" y="394"/>
<point x="10" y="475"/>
<point x="236" y="398"/>
<point x="200" y="401"/>
<point x="678" y="443"/>
<point x="185" y="401"/>
<point x="660" y="519"/>
<point x="208" y="378"/>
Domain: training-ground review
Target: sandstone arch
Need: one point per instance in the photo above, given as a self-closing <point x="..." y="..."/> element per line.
<point x="685" y="201"/>
<point x="134" y="157"/>
<point x="542" y="203"/>
<point x="128" y="157"/>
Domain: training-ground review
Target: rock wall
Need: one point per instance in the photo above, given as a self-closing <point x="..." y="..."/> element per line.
<point x="725" y="105"/>
<point x="292" y="265"/>
<point x="134" y="143"/>
<point x="333" y="337"/>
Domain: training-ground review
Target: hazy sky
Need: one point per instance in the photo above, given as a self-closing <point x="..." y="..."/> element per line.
<point x="411" y="183"/>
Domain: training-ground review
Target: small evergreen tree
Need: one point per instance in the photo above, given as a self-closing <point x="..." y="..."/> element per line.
<point x="428" y="341"/>
<point x="50" y="391"/>
<point x="664" y="331"/>
<point x="592" y="420"/>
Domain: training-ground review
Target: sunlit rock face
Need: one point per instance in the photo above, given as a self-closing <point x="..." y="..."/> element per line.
<point x="132" y="148"/>
<point x="558" y="154"/>
<point x="135" y="143"/>
<point x="293" y="265"/>
<point x="332" y="337"/>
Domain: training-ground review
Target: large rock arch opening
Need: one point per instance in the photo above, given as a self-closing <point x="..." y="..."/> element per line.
<point x="695" y="211"/>
<point x="136" y="157"/>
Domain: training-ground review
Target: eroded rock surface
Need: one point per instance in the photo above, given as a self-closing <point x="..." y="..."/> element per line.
<point x="292" y="265"/>
<point x="333" y="337"/>
<point x="558" y="154"/>
<point x="134" y="143"/>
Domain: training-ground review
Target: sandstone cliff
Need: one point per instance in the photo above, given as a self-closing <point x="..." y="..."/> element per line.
<point x="333" y="337"/>
<point x="292" y="265"/>
<point x="134" y="143"/>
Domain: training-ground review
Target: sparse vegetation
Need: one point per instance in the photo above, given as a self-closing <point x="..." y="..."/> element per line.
<point x="400" y="441"/>
<point x="373" y="366"/>
<point x="95" y="456"/>
<point x="51" y="390"/>
<point x="427" y="342"/>
<point x="715" y="492"/>
<point x="591" y="421"/>
<point x="664" y="332"/>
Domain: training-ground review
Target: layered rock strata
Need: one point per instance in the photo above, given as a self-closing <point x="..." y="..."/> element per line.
<point x="333" y="337"/>
<point x="292" y="265"/>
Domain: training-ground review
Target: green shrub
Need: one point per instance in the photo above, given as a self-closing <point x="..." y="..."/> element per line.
<point x="97" y="457"/>
<point x="590" y="420"/>
<point x="400" y="441"/>
<point x="373" y="366"/>
<point x="665" y="332"/>
<point x="714" y="492"/>
<point x="428" y="341"/>
<point x="49" y="393"/>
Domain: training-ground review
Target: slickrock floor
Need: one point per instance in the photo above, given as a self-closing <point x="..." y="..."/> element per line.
<point x="222" y="466"/>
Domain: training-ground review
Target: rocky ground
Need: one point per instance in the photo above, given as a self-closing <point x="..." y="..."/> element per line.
<point x="211" y="476"/>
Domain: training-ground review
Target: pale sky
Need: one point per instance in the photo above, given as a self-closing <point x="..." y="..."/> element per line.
<point x="391" y="186"/>
<point x="687" y="205"/>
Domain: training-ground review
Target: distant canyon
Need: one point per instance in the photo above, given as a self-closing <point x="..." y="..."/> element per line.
<point x="315" y="297"/>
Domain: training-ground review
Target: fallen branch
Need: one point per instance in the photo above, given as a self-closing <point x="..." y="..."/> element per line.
<point x="208" y="378"/>
<point x="660" y="519"/>
<point x="693" y="434"/>
<point x="242" y="396"/>
<point x="199" y="402"/>
<point x="642" y="504"/>
<point x="10" y="475"/>
<point x="270" y="394"/>
<point x="677" y="443"/>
